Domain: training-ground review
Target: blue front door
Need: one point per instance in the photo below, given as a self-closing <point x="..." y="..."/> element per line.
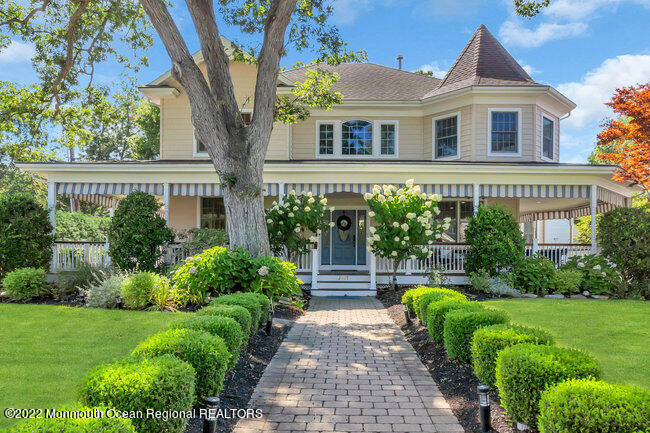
<point x="344" y="237"/>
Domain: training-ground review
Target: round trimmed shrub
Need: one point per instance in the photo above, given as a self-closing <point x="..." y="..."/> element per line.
<point x="251" y="303"/>
<point x="206" y="353"/>
<point x="138" y="290"/>
<point x="25" y="233"/>
<point x="411" y="295"/>
<point x="460" y="326"/>
<point x="437" y="294"/>
<point x="137" y="233"/>
<point x="436" y="312"/>
<point x="92" y="424"/>
<point x="523" y="371"/>
<point x="163" y="383"/>
<point x="236" y="312"/>
<point x="220" y="326"/>
<point x="488" y="341"/>
<point x="534" y="274"/>
<point x="25" y="284"/>
<point x="585" y="406"/>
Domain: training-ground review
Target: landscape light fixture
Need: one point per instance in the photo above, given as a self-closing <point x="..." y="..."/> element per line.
<point x="210" y="420"/>
<point x="406" y="313"/>
<point x="484" y="407"/>
<point x="118" y="301"/>
<point x="269" y="322"/>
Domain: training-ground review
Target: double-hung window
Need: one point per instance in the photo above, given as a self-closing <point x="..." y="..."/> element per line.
<point x="504" y="132"/>
<point x="548" y="134"/>
<point x="357" y="139"/>
<point x="446" y="136"/>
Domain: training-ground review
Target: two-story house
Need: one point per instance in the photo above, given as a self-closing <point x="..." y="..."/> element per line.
<point x="485" y="133"/>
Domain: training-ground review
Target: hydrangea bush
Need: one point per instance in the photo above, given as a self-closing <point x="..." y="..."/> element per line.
<point x="599" y="277"/>
<point x="297" y="222"/>
<point x="404" y="223"/>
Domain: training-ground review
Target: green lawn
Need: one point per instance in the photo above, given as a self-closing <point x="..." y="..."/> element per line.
<point x="45" y="351"/>
<point x="617" y="333"/>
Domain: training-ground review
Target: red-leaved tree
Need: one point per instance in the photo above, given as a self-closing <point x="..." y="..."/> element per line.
<point x="625" y="142"/>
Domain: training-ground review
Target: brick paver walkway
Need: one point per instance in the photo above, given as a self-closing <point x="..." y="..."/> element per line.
<point x="346" y="367"/>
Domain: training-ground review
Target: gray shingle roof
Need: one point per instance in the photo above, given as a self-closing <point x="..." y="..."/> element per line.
<point x="483" y="62"/>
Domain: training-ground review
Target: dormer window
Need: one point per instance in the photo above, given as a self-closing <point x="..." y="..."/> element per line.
<point x="504" y="132"/>
<point x="446" y="136"/>
<point x="357" y="138"/>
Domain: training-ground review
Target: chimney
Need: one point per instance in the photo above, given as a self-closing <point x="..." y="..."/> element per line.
<point x="399" y="61"/>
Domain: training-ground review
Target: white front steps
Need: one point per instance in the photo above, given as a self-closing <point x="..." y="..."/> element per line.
<point x="343" y="284"/>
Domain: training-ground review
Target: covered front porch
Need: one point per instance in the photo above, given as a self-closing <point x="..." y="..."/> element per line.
<point x="191" y="196"/>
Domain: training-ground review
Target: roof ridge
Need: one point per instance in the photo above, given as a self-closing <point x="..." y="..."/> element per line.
<point x="430" y="77"/>
<point x="467" y="45"/>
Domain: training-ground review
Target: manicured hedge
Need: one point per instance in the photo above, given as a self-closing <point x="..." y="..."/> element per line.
<point x="438" y="294"/>
<point x="523" y="371"/>
<point x="488" y="341"/>
<point x="436" y="312"/>
<point x="410" y="295"/>
<point x="163" y="383"/>
<point x="225" y="327"/>
<point x="206" y="353"/>
<point x="92" y="424"/>
<point x="25" y="284"/>
<point x="248" y="301"/>
<point x="460" y="326"/>
<point x="586" y="406"/>
<point x="236" y="312"/>
<point x="265" y="305"/>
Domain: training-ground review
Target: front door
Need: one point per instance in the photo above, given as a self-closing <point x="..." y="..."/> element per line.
<point x="343" y="246"/>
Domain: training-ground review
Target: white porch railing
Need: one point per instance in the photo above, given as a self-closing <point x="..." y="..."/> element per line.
<point x="449" y="256"/>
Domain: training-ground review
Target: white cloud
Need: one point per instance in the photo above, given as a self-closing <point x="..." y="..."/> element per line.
<point x="530" y="70"/>
<point x="434" y="67"/>
<point x="598" y="85"/>
<point x="17" y="52"/>
<point x="578" y="132"/>
<point x="576" y="10"/>
<point x="514" y="33"/>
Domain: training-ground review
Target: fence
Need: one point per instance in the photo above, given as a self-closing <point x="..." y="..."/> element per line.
<point x="448" y="256"/>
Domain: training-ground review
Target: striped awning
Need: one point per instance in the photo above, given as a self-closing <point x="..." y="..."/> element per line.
<point x="76" y="188"/>
<point x="211" y="189"/>
<point x="446" y="190"/>
<point x="611" y="197"/>
<point x="536" y="191"/>
<point x="565" y="214"/>
<point x="106" y="201"/>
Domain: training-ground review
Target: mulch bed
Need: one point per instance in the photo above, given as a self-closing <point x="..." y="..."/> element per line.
<point x="455" y="380"/>
<point x="241" y="381"/>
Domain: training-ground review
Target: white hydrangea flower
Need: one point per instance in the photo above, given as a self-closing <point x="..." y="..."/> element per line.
<point x="403" y="242"/>
<point x="447" y="220"/>
<point x="581" y="265"/>
<point x="292" y="192"/>
<point x="407" y="238"/>
<point x="332" y="208"/>
<point x="427" y="213"/>
<point x="369" y="248"/>
<point x="290" y="214"/>
<point x="371" y="214"/>
<point x="318" y="232"/>
<point x="597" y="267"/>
<point x="323" y="201"/>
<point x="307" y="208"/>
<point x="371" y="241"/>
<point x="269" y="220"/>
<point x="275" y="203"/>
<point x="425" y="250"/>
<point x="613" y="265"/>
<point x="437" y="211"/>
<point x="429" y="241"/>
<point x="280" y="211"/>
<point x="295" y="208"/>
<point x="405" y="227"/>
<point x="311" y="200"/>
<point x="390" y="198"/>
<point x="401" y="198"/>
<point x="376" y="189"/>
<point x="372" y="230"/>
<point x="395" y="224"/>
<point x="393" y="253"/>
<point x="429" y="254"/>
<point x="263" y="271"/>
<point x="396" y="238"/>
<point x="297" y="230"/>
<point x="381" y="198"/>
<point x="193" y="270"/>
<point x="313" y="239"/>
<point x="428" y="232"/>
<point x="309" y="194"/>
<point x="604" y="274"/>
<point x="367" y="196"/>
<point x="332" y="223"/>
<point x="410" y="215"/>
<point x="409" y="183"/>
<point x="376" y="237"/>
<point x="281" y="223"/>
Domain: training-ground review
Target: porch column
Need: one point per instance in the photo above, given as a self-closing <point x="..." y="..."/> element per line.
<point x="373" y="271"/>
<point x="166" y="201"/>
<point x="477" y="194"/>
<point x="593" y="203"/>
<point x="280" y="192"/>
<point x="314" y="268"/>
<point x="51" y="203"/>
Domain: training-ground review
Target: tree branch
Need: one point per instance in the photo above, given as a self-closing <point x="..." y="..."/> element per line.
<point x="216" y="60"/>
<point x="268" y="68"/>
<point x="29" y="16"/>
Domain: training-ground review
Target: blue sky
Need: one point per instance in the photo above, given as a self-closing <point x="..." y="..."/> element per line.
<point x="584" y="48"/>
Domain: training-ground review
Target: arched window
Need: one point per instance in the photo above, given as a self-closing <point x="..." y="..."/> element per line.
<point x="356" y="138"/>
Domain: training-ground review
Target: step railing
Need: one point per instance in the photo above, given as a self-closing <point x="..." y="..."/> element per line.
<point x="67" y="256"/>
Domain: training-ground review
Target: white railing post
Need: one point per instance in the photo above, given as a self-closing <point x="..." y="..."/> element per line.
<point x="409" y="267"/>
<point x="535" y="248"/>
<point x="373" y="271"/>
<point x="314" y="269"/>
<point x="593" y="202"/>
<point x="166" y="201"/>
<point x="51" y="210"/>
<point x="280" y="192"/>
<point x="106" y="258"/>
<point x="477" y="197"/>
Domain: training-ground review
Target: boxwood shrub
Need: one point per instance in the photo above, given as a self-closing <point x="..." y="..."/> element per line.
<point x="410" y="295"/>
<point x="438" y="294"/>
<point x="436" y="312"/>
<point x="220" y="326"/>
<point x="265" y="305"/>
<point x="163" y="383"/>
<point x="585" y="406"/>
<point x="25" y="284"/>
<point x="523" y="371"/>
<point x="236" y="312"/>
<point x="248" y="301"/>
<point x="137" y="290"/>
<point x="206" y="353"/>
<point x="459" y="328"/>
<point x="92" y="424"/>
<point x="488" y="341"/>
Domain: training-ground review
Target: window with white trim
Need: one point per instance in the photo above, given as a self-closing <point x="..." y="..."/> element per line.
<point x="504" y="133"/>
<point x="357" y="138"/>
<point x="446" y="137"/>
<point x="548" y="134"/>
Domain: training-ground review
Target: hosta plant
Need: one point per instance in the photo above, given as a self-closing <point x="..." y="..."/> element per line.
<point x="404" y="223"/>
<point x="297" y="222"/>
